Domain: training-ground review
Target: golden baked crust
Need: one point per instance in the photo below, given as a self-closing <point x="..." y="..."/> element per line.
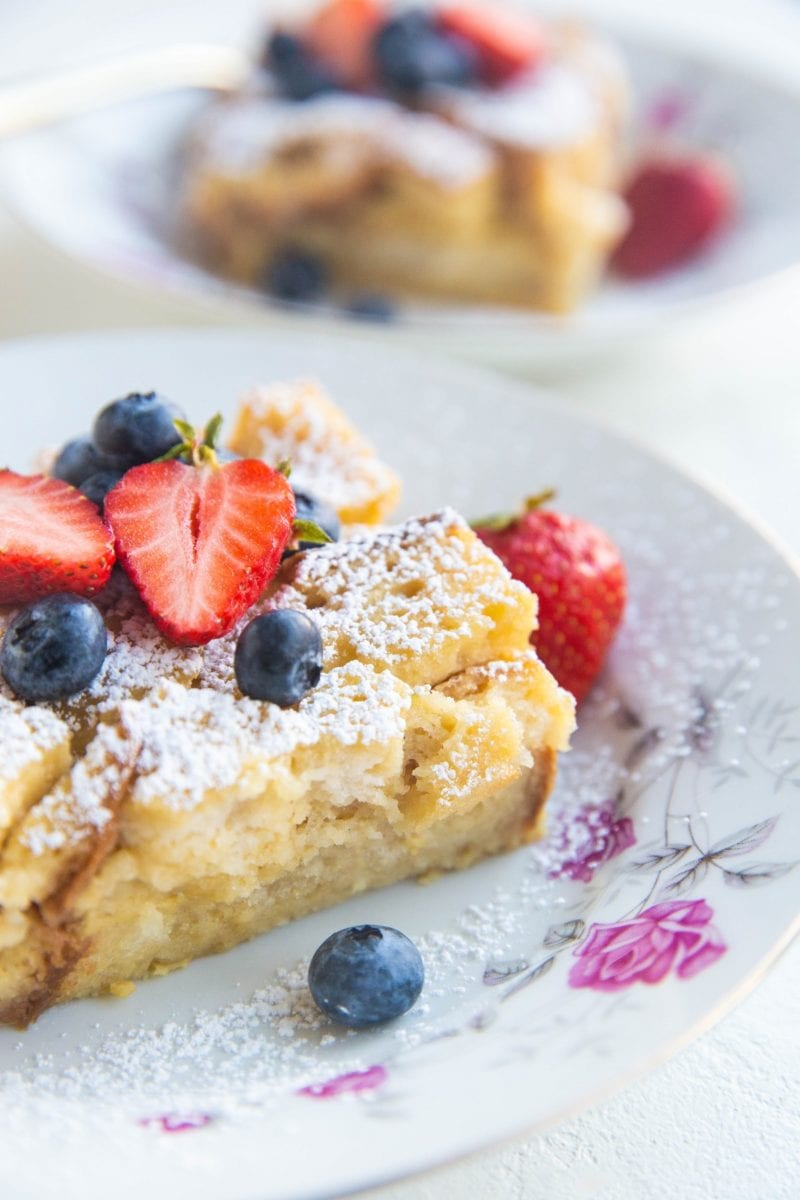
<point x="300" y="424"/>
<point x="505" y="196"/>
<point x="189" y="817"/>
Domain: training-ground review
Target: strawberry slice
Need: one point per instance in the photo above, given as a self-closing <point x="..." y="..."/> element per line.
<point x="506" y="42"/>
<point x="340" y="34"/>
<point x="200" y="541"/>
<point x="52" y="539"/>
<point x="678" y="204"/>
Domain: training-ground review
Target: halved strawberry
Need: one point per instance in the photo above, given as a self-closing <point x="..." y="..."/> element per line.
<point x="52" y="539"/>
<point x="200" y="541"/>
<point x="506" y="42"/>
<point x="340" y="34"/>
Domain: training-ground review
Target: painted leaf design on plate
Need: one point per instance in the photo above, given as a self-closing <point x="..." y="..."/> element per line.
<point x="686" y="879"/>
<point x="758" y="874"/>
<point x="664" y="856"/>
<point x="561" y="935"/>
<point x="499" y="972"/>
<point x="744" y="841"/>
<point x="538" y="972"/>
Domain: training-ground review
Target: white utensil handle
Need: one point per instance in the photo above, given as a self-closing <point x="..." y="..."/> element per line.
<point x="28" y="106"/>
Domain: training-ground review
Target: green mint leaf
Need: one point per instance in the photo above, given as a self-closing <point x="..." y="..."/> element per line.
<point x="212" y="431"/>
<point x="309" y="531"/>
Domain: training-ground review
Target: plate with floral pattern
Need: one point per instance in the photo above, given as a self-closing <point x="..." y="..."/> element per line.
<point x="106" y="189"/>
<point x="667" y="883"/>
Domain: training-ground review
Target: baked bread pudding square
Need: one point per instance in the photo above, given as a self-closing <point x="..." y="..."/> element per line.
<point x="457" y="151"/>
<point x="163" y="811"/>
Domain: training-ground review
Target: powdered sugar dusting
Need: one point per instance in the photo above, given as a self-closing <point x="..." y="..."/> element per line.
<point x="243" y="134"/>
<point x="79" y="803"/>
<point x="181" y="706"/>
<point x="198" y="739"/>
<point x="556" y="105"/>
<point x="329" y="458"/>
<point x="26" y="735"/>
<point x="377" y="598"/>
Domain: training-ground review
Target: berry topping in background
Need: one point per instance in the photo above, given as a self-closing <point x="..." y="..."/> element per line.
<point x="366" y="975"/>
<point x="297" y="73"/>
<point x="53" y="648"/>
<point x="51" y="540"/>
<point x="577" y="573"/>
<point x="506" y="42"/>
<point x="340" y="35"/>
<point x="279" y="657"/>
<point x="200" y="540"/>
<point x="677" y="205"/>
<point x="296" y="277"/>
<point x="411" y="53"/>
<point x="136" y="429"/>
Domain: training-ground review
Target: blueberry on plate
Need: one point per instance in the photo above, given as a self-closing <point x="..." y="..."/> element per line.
<point x="370" y="306"/>
<point x="53" y="648"/>
<point x="136" y="429"/>
<point x="298" y="75"/>
<point x="366" y="975"/>
<point x="98" y="485"/>
<point x="411" y="53"/>
<point x="319" y="512"/>
<point x="279" y="657"/>
<point x="296" y="277"/>
<point x="77" y="460"/>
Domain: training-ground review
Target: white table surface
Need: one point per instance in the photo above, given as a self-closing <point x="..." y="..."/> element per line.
<point x="721" y="396"/>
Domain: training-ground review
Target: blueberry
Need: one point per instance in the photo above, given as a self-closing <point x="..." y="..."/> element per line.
<point x="53" y="648"/>
<point x="279" y="657"/>
<point x="77" y="460"/>
<point x="137" y="428"/>
<point x="369" y="306"/>
<point x="298" y="75"/>
<point x="97" y="486"/>
<point x="367" y="974"/>
<point x="295" y="276"/>
<point x="311" y="508"/>
<point x="411" y="54"/>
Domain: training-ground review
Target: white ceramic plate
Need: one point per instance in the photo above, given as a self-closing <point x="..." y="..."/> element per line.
<point x="555" y="974"/>
<point x="104" y="189"/>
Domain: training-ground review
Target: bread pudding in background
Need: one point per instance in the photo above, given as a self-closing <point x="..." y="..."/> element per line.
<point x="159" y="813"/>
<point x="458" y="152"/>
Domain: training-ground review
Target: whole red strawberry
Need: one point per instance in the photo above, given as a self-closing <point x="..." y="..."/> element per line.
<point x="577" y="573"/>
<point x="677" y="204"/>
<point x="52" y="539"/>
<point x="200" y="540"/>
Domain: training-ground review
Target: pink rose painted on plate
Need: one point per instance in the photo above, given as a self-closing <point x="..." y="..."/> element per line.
<point x="675" y="936"/>
<point x="177" y="1122"/>
<point x="354" y="1082"/>
<point x="584" y="840"/>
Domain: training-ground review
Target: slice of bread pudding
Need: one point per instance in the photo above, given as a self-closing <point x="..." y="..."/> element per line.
<point x="160" y="815"/>
<point x="486" y="186"/>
